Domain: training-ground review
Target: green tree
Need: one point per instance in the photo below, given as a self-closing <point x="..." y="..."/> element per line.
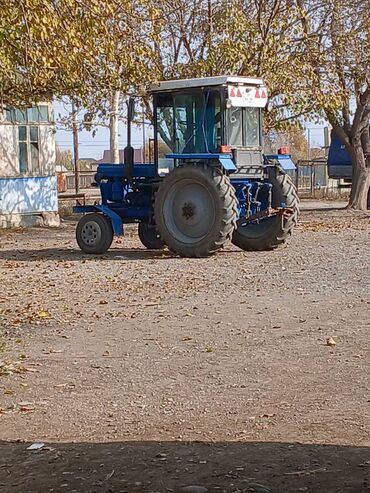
<point x="84" y="50"/>
<point x="90" y="51"/>
<point x="64" y="157"/>
<point x="333" y="46"/>
<point x="313" y="54"/>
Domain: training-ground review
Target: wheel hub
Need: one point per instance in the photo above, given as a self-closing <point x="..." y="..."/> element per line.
<point x="91" y="233"/>
<point x="189" y="211"/>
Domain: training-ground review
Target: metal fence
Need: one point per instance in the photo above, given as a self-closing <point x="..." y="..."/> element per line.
<point x="312" y="181"/>
<point x="86" y="178"/>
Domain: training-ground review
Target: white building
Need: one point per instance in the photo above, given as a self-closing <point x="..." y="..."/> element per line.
<point x="28" y="185"/>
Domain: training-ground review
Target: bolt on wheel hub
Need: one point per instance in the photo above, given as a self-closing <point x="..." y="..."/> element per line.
<point x="91" y="233"/>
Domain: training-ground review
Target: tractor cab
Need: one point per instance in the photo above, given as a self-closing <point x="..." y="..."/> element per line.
<point x="215" y="118"/>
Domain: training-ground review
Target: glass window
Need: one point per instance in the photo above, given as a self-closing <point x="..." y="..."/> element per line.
<point x="29" y="148"/>
<point x="165" y="132"/>
<point x="10" y="115"/>
<point x="23" y="154"/>
<point x="22" y="133"/>
<point x="165" y="124"/>
<point x="34" y="134"/>
<point x="34" y="148"/>
<point x="23" y="158"/>
<point x="20" y="115"/>
<point x="244" y="127"/>
<point x="32" y="115"/>
<point x="38" y="114"/>
<point x="236" y="126"/>
<point x="189" y="109"/>
<point x="252" y="126"/>
<point x="189" y="122"/>
<point x="212" y="123"/>
<point x="43" y="113"/>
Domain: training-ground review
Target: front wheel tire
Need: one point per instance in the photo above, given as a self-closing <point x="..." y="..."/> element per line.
<point x="94" y="233"/>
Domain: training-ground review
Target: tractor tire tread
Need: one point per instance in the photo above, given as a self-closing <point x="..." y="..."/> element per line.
<point x="287" y="223"/>
<point x="226" y="193"/>
<point x="106" y="230"/>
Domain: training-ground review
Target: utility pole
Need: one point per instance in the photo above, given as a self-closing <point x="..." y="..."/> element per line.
<point x="326" y="140"/>
<point x="308" y="144"/>
<point x="75" y="148"/>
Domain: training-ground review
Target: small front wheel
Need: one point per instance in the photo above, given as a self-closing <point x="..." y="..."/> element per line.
<point x="149" y="236"/>
<point x="94" y="233"/>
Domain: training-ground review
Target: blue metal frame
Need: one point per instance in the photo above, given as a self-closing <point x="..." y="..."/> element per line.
<point x="117" y="222"/>
<point x="130" y="200"/>
<point x="253" y="195"/>
<point x="225" y="160"/>
<point x="118" y="171"/>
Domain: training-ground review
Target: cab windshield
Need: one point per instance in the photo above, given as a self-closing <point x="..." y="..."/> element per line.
<point x="189" y="122"/>
<point x="244" y="127"/>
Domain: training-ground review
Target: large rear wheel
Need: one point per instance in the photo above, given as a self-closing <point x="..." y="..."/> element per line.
<point x="195" y="210"/>
<point x="269" y="233"/>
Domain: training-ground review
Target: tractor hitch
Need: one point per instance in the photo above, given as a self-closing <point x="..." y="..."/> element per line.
<point x="269" y="212"/>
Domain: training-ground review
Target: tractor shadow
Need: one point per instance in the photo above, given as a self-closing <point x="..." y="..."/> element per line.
<point x="159" y="467"/>
<point x="74" y="255"/>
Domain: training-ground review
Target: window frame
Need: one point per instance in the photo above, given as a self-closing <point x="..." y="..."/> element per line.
<point x="25" y="116"/>
<point x="202" y="91"/>
<point x="244" y="144"/>
<point x="32" y="166"/>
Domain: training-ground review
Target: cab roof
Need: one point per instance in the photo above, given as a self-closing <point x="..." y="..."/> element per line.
<point x="220" y="80"/>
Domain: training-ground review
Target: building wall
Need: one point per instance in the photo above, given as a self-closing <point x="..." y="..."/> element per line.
<point x="31" y="190"/>
<point x="9" y="164"/>
<point x="34" y="194"/>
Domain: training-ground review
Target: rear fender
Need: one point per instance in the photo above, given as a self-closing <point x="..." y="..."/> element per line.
<point x="224" y="160"/>
<point x="283" y="161"/>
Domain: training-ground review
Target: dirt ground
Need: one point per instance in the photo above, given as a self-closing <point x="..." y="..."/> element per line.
<point x="144" y="372"/>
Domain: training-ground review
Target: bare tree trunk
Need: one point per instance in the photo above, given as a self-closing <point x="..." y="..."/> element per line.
<point x="75" y="148"/>
<point x="358" y="147"/>
<point x="113" y="127"/>
<point x="360" y="177"/>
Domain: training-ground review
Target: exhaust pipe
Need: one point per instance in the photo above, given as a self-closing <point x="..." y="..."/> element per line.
<point x="128" y="153"/>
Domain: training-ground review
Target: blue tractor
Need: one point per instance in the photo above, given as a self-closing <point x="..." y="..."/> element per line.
<point x="209" y="183"/>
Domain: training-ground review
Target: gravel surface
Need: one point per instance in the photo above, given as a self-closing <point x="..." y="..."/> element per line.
<point x="144" y="372"/>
